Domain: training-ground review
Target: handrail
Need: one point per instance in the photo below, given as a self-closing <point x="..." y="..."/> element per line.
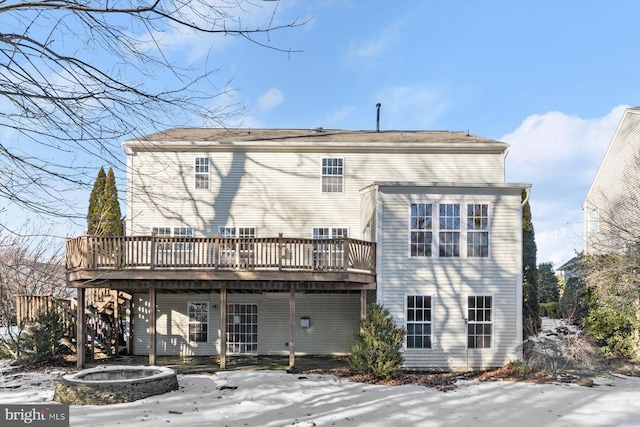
<point x="226" y="253"/>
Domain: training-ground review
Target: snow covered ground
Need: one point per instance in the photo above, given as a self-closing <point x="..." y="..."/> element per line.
<point x="276" y="398"/>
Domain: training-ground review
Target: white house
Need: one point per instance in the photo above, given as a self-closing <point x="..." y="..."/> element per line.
<point x="273" y="242"/>
<point x="612" y="206"/>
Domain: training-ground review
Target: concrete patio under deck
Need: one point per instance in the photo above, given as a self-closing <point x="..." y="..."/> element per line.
<point x="211" y="364"/>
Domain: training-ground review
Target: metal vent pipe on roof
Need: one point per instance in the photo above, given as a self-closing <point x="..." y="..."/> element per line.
<point x="378" y="105"/>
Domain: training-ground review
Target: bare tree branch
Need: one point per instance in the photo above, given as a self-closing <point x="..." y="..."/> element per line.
<point x="76" y="78"/>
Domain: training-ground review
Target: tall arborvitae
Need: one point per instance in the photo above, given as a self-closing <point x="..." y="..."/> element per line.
<point x="530" y="306"/>
<point x="104" y="215"/>
<point x="111" y="209"/>
<point x="94" y="213"/>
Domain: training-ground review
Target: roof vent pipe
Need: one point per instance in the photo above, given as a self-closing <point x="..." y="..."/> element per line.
<point x="378" y="105"/>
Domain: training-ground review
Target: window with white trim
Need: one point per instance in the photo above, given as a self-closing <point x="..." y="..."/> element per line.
<point x="449" y="226"/>
<point x="329" y="255"/>
<point x="419" y="312"/>
<point x="238" y="253"/>
<point x="479" y="321"/>
<point x="201" y="173"/>
<point x="463" y="230"/>
<point x="242" y="328"/>
<point x="198" y="313"/>
<point x="332" y="175"/>
<point x="169" y="251"/>
<point x="593" y="221"/>
<point x="477" y="230"/>
<point x="421" y="229"/>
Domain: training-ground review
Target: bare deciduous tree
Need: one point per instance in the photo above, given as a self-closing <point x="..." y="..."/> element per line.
<point x="78" y="77"/>
<point x="27" y="267"/>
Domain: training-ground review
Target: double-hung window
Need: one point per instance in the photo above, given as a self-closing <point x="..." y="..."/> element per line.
<point x="477" y="230"/>
<point x="421" y="229"/>
<point x="240" y="252"/>
<point x="479" y="321"/>
<point x="172" y="251"/>
<point x="201" y="172"/>
<point x="419" y="311"/>
<point x="449" y="230"/>
<point x="449" y="225"/>
<point x="332" y="175"/>
<point x="329" y="255"/>
<point x="593" y="221"/>
<point x="198" y="321"/>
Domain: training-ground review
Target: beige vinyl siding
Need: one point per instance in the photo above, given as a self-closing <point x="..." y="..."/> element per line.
<point x="172" y="325"/>
<point x="368" y="214"/>
<point x="335" y="319"/>
<point x="450" y="280"/>
<point x="615" y="184"/>
<point x="280" y="192"/>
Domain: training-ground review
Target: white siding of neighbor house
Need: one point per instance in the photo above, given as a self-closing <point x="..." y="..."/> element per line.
<point x="280" y="192"/>
<point x="450" y="280"/>
<point x="334" y="319"/>
<point x="615" y="186"/>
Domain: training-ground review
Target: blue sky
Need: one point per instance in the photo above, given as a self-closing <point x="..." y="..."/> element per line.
<point x="551" y="78"/>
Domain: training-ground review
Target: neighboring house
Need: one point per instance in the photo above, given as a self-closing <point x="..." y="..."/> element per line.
<point x="569" y="270"/>
<point x="612" y="206"/>
<point x="274" y="241"/>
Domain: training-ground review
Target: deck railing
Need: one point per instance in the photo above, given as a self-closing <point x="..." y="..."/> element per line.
<point x="156" y="252"/>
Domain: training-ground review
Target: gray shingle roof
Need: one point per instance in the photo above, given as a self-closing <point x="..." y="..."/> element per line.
<point x="311" y="135"/>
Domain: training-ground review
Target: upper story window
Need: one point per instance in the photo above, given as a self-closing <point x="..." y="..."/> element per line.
<point x="421" y="229"/>
<point x="237" y="232"/>
<point x="477" y="230"/>
<point x="449" y="220"/>
<point x="329" y="255"/>
<point x="202" y="173"/>
<point x="332" y="175"/>
<point x="462" y="230"/>
<point x="593" y="222"/>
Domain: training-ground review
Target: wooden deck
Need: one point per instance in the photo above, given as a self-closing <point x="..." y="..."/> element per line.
<point x="246" y="263"/>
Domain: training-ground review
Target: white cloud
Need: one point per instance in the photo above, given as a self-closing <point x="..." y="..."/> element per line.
<point x="558" y="141"/>
<point x="410" y="107"/>
<point x="375" y="46"/>
<point x="270" y="99"/>
<point x="338" y="116"/>
<point x="560" y="155"/>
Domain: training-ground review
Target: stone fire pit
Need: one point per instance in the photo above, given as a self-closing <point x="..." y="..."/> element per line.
<point x="105" y="385"/>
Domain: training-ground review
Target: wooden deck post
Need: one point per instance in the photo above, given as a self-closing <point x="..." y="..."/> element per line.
<point x="152" y="325"/>
<point x="292" y="327"/>
<point x="81" y="332"/>
<point x="363" y="307"/>
<point x="223" y="328"/>
<point x="130" y="308"/>
<point x="116" y="322"/>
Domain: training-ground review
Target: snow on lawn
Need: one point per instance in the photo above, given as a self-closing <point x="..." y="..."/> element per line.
<point x="276" y="398"/>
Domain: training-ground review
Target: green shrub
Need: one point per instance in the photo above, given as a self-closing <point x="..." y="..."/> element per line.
<point x="612" y="329"/>
<point x="378" y="348"/>
<point x="550" y="309"/>
<point x="43" y="339"/>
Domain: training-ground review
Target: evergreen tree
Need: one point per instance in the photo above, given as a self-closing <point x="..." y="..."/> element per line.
<point x="94" y="213"/>
<point x="530" y="305"/>
<point x="378" y="349"/>
<point x="104" y="214"/>
<point x="112" y="213"/>
<point x="548" y="290"/>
